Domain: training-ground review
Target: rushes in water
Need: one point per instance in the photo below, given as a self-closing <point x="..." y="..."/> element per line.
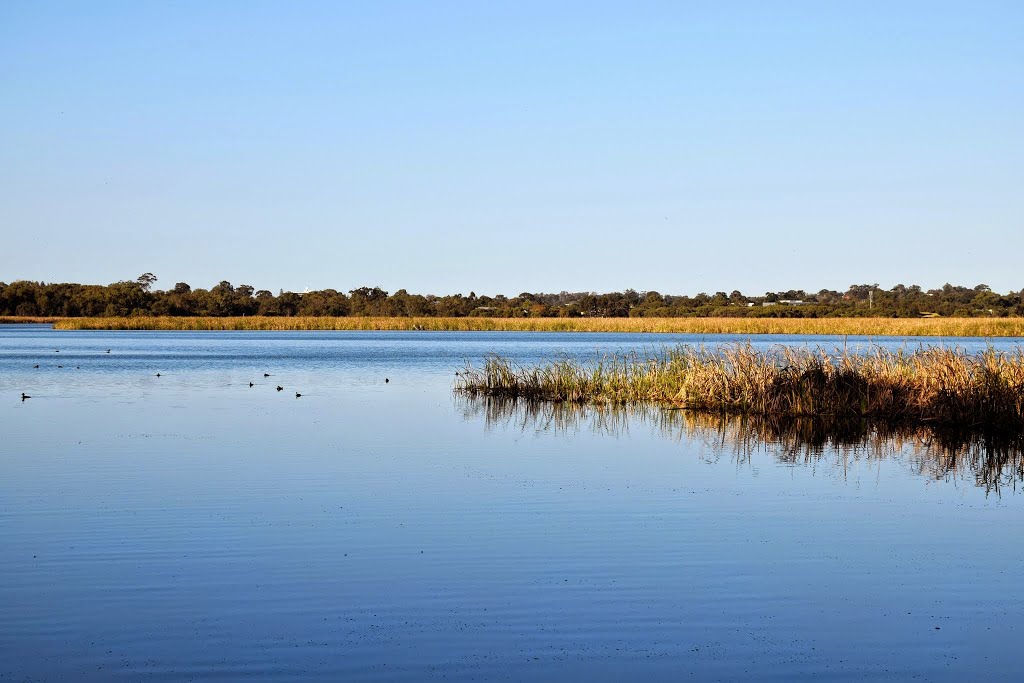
<point x="899" y="327"/>
<point x="932" y="386"/>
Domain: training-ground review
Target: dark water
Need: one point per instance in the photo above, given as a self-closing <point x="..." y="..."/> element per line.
<point x="188" y="526"/>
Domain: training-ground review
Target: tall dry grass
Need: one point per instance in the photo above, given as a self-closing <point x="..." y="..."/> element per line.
<point x="26" y="319"/>
<point x="875" y="327"/>
<point x="938" y="386"/>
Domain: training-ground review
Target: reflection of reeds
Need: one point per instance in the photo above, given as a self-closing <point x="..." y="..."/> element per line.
<point x="993" y="461"/>
<point x="938" y="386"/>
<point x="902" y="327"/>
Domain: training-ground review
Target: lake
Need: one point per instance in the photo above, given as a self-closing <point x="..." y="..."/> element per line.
<point x="189" y="526"/>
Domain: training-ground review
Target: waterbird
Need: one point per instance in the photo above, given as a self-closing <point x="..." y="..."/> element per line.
<point x="298" y="395"/>
<point x="386" y="380"/>
<point x="158" y="374"/>
<point x="266" y="374"/>
<point x="36" y="365"/>
<point x="251" y="384"/>
<point x="24" y="396"/>
<point x="108" y="350"/>
<point x="60" y="366"/>
<point x="280" y="388"/>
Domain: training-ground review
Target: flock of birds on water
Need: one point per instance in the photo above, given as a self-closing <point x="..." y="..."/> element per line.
<point x="25" y="396"/>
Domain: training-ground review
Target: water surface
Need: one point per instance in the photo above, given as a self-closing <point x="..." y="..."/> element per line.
<point x="189" y="526"/>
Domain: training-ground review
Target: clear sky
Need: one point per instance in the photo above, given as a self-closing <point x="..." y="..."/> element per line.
<point x="502" y="147"/>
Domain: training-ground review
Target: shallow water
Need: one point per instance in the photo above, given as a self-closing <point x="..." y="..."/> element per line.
<point x="188" y="526"/>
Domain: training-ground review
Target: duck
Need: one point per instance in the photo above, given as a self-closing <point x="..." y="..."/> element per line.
<point x="36" y="365"/>
<point x="386" y="380"/>
<point x="251" y="385"/>
<point x="158" y="374"/>
<point x="24" y="396"/>
<point x="266" y="374"/>
<point x="280" y="388"/>
<point x="298" y="395"/>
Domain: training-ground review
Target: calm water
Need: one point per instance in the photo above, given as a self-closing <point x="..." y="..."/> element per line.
<point x="188" y="526"/>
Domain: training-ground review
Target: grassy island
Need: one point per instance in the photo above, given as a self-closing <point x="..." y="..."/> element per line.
<point x="933" y="386"/>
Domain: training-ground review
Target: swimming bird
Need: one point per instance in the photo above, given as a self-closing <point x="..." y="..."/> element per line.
<point x="251" y="384"/>
<point x="280" y="388"/>
<point x="386" y="380"/>
<point x="298" y="395"/>
<point x="266" y="374"/>
<point x="158" y="374"/>
<point x="108" y="350"/>
<point x="60" y="366"/>
<point x="24" y="396"/>
<point x="36" y="365"/>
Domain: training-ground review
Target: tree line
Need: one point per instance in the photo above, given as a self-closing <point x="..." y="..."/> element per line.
<point x="140" y="297"/>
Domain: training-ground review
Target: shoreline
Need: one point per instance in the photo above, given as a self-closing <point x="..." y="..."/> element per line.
<point x="865" y="327"/>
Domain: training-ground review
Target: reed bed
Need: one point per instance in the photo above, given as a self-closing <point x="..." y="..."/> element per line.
<point x="26" y="320"/>
<point x="874" y="327"/>
<point x="937" y="386"/>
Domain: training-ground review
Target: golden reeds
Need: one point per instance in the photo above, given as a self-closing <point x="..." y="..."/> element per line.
<point x="939" y="386"/>
<point x="874" y="327"/>
<point x="26" y="320"/>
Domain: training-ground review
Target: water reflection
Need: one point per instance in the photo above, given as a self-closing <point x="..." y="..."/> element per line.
<point x="994" y="462"/>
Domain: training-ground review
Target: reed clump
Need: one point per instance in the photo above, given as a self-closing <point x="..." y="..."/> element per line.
<point x="872" y="327"/>
<point x="938" y="386"/>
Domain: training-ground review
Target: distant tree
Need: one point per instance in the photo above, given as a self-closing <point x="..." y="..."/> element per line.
<point x="288" y="303"/>
<point x="368" y="301"/>
<point x="146" y="281"/>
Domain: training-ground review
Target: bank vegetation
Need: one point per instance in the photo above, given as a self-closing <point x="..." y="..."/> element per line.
<point x="140" y="297"/>
<point x="872" y="327"/>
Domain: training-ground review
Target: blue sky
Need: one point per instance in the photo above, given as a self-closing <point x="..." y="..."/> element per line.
<point x="503" y="147"/>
